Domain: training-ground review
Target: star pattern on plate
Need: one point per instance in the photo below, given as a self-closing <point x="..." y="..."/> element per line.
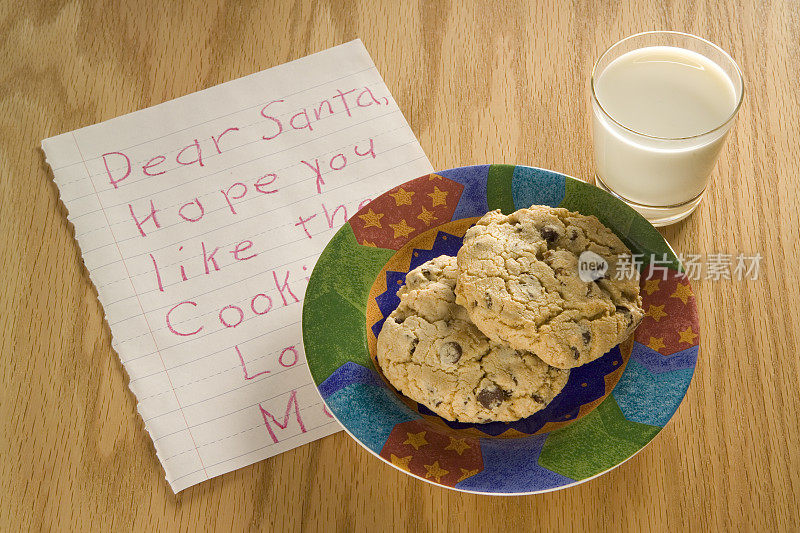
<point x="438" y="197"/>
<point x="656" y="343"/>
<point x="683" y="292"/>
<point x="402" y="196"/>
<point x="457" y="445"/>
<point x="417" y="440"/>
<point x="401" y="229"/>
<point x="656" y="311"/>
<point x="670" y="323"/>
<point x="435" y="472"/>
<point x="651" y="285"/>
<point x="431" y="452"/>
<point x="426" y="216"/>
<point x="688" y="335"/>
<point x="371" y="219"/>
<point x="402" y="462"/>
<point x="394" y="218"/>
<point x="466" y="473"/>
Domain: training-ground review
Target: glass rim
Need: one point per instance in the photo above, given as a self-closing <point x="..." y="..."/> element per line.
<point x="676" y="33"/>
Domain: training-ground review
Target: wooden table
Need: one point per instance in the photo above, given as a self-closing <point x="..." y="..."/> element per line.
<point x="497" y="83"/>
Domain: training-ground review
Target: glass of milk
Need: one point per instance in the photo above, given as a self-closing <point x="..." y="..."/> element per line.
<point x="663" y="103"/>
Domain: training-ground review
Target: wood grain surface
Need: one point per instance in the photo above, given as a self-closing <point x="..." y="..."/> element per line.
<point x="485" y="82"/>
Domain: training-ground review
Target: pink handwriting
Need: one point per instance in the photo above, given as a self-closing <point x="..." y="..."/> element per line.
<point x="337" y="162"/>
<point x="140" y="224"/>
<point x="238" y="320"/>
<point x="274" y="120"/>
<point x="284" y="288"/>
<point x="232" y="316"/>
<point x="330" y="217"/>
<point x="289" y="360"/>
<point x="366" y="102"/>
<point x="158" y="274"/>
<point x="244" y="367"/>
<point x="291" y="404"/>
<point x="189" y="218"/>
<point x="195" y="210"/>
<point x="227" y="194"/>
<point x="301" y="118"/>
<point x="119" y="167"/>
<point x="198" y="155"/>
<point x="209" y="259"/>
<point x="303" y="223"/>
<point x="169" y="323"/>
<point x="265" y="309"/>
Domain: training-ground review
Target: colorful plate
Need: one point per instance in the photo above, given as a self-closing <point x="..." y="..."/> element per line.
<point x="609" y="410"/>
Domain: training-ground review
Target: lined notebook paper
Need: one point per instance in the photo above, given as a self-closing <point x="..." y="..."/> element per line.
<point x="200" y="220"/>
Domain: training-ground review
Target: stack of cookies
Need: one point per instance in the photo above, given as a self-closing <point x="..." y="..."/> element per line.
<point x="492" y="334"/>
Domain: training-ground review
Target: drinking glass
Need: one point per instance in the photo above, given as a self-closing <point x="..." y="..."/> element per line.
<point x="663" y="176"/>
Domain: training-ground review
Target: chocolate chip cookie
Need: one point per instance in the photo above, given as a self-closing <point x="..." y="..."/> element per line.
<point x="430" y="351"/>
<point x="520" y="282"/>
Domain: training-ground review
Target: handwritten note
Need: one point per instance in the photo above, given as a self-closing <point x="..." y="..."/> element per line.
<point x="200" y="220"/>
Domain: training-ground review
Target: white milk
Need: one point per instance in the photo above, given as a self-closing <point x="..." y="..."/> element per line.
<point x="667" y="94"/>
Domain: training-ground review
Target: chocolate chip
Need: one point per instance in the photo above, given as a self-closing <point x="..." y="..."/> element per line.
<point x="549" y="233"/>
<point x="488" y="298"/>
<point x="514" y="380"/>
<point x="450" y="352"/>
<point x="627" y="312"/>
<point x="426" y="273"/>
<point x="492" y="397"/>
<point x="573" y="234"/>
<point x="587" y="337"/>
<point x="413" y="346"/>
<point x="399" y="320"/>
<point x="537" y="398"/>
<point x="438" y="403"/>
<point x="575" y="353"/>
